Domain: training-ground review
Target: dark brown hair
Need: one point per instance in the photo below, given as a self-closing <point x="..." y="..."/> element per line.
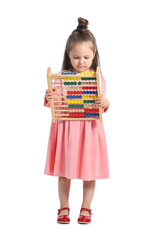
<point x="80" y="34"/>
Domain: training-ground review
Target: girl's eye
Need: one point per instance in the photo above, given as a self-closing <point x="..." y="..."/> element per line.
<point x="76" y="58"/>
<point x="86" y="57"/>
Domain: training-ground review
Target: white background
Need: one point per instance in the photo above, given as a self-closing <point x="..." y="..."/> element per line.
<point x="131" y="40"/>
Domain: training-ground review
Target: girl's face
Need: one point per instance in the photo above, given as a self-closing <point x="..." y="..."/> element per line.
<point x="81" y="56"/>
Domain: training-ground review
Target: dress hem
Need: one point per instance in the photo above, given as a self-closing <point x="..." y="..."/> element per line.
<point x="89" y="179"/>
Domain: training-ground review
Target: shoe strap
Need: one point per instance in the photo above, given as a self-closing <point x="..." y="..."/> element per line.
<point x="59" y="210"/>
<point x="86" y="209"/>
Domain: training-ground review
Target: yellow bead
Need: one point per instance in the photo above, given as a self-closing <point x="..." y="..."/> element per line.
<point x="88" y="73"/>
<point x="81" y="73"/>
<point x="78" y="78"/>
<point x="64" y="78"/>
<point x="72" y="101"/>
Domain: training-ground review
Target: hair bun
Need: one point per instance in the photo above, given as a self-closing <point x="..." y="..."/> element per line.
<point x="82" y="24"/>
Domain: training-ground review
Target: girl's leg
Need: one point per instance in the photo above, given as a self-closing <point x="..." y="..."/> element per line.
<point x="88" y="191"/>
<point x="63" y="189"/>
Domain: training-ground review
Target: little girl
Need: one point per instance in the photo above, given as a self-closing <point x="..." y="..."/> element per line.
<point x="77" y="149"/>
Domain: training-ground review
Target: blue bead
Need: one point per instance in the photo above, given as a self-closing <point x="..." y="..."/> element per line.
<point x="75" y="73"/>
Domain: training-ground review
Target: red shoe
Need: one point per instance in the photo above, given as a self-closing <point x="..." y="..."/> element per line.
<point x="63" y="218"/>
<point x="85" y="219"/>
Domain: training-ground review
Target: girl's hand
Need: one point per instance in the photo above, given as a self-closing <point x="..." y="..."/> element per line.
<point x="48" y="95"/>
<point x="102" y="101"/>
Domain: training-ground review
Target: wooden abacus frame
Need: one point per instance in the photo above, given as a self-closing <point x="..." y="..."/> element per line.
<point x="90" y="78"/>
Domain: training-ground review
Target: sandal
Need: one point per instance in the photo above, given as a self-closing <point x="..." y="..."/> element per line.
<point x="83" y="218"/>
<point x="63" y="218"/>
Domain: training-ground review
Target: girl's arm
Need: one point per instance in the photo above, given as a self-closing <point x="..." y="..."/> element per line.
<point x="46" y="102"/>
<point x="48" y="96"/>
<point x="103" y="101"/>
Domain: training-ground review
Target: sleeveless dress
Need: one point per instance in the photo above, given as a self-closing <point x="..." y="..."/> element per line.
<point x="77" y="149"/>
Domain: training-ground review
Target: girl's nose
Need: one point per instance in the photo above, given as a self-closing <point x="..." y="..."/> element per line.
<point x="81" y="60"/>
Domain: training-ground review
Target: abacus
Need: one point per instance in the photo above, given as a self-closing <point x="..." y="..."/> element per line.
<point x="77" y="94"/>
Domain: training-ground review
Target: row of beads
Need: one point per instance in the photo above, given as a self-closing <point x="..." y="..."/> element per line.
<point x="79" y="83"/>
<point x="76" y="105"/>
<point x="81" y="92"/>
<point x="70" y="78"/>
<point x="77" y="78"/>
<point x="86" y="110"/>
<point x="90" y="73"/>
<point x="82" y="73"/>
<point x="63" y="73"/>
<point x="84" y="88"/>
<point x="81" y="96"/>
<point x="83" y="115"/>
<point x="81" y="101"/>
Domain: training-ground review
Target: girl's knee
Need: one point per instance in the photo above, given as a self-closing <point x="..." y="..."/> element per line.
<point x="64" y="179"/>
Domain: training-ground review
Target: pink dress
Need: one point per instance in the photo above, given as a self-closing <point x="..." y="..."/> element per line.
<point x="77" y="149"/>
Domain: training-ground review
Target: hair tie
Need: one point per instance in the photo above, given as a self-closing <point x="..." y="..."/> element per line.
<point x="81" y="27"/>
